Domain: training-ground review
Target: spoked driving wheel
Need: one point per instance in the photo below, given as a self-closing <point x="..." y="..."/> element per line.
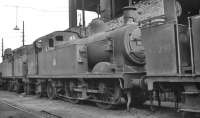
<point x="16" y="86"/>
<point x="70" y="93"/>
<point x="51" y="90"/>
<point x="10" y="86"/>
<point x="40" y="88"/>
<point x="109" y="96"/>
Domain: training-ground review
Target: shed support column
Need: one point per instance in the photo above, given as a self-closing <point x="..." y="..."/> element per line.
<point x="72" y="13"/>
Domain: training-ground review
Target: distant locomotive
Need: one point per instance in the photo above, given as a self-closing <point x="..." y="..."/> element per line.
<point x="127" y="64"/>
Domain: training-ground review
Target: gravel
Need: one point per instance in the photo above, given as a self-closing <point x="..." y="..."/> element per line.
<point x="84" y="110"/>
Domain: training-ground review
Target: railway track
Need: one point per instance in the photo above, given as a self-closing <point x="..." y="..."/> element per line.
<point x="45" y="108"/>
<point x="18" y="111"/>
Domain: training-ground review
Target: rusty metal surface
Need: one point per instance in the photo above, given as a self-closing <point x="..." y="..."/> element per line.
<point x="160" y="58"/>
<point x="97" y="53"/>
<point x="18" y="67"/>
<point x="32" y="64"/>
<point x="61" y="61"/>
<point x="6" y="69"/>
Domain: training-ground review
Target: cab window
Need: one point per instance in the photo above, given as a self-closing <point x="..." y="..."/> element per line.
<point x="59" y="38"/>
<point x="51" y="43"/>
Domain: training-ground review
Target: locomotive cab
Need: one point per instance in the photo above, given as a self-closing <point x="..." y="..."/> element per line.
<point x="176" y="28"/>
<point x="185" y="11"/>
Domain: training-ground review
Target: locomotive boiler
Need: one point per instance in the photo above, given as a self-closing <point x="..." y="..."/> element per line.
<point x="107" y="46"/>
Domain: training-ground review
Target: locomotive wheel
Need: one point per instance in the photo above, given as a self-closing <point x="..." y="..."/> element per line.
<point x="71" y="93"/>
<point x="139" y="97"/>
<point x="10" y="86"/>
<point x="51" y="90"/>
<point x="27" y="88"/>
<point x="40" y="89"/>
<point x="17" y="87"/>
<point x="108" y="96"/>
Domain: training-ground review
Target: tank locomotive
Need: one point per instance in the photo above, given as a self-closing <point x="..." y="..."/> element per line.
<point x="128" y="64"/>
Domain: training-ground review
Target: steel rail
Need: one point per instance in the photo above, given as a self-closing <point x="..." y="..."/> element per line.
<point x="43" y="113"/>
<point x="20" y="108"/>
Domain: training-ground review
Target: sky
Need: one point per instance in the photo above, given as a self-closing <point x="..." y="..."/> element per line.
<point x="41" y="17"/>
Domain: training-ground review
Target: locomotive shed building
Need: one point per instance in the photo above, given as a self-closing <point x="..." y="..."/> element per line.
<point x="134" y="52"/>
<point x="112" y="8"/>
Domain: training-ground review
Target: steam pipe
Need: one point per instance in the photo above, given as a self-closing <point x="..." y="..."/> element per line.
<point x="129" y="14"/>
<point x="2" y="47"/>
<point x="191" y="45"/>
<point x="23" y="40"/>
<point x="178" y="48"/>
<point x="83" y="12"/>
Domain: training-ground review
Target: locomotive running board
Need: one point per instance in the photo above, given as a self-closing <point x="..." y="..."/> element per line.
<point x="78" y="76"/>
<point x="87" y="75"/>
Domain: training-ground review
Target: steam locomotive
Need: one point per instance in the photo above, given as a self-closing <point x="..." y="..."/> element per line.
<point x="128" y="64"/>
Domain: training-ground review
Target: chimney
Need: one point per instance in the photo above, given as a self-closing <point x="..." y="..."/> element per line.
<point x="129" y="14"/>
